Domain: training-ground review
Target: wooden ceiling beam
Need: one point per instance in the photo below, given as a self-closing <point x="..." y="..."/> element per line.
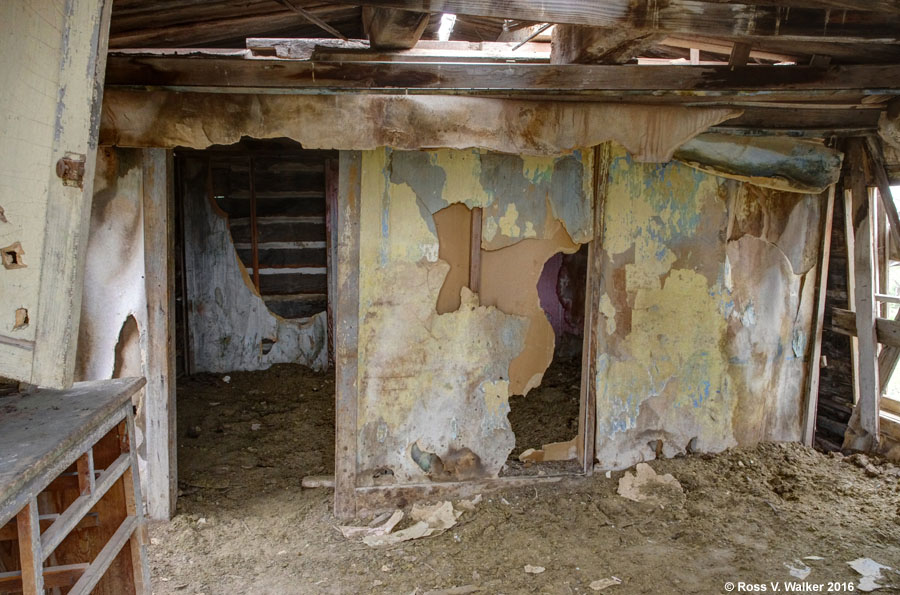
<point x="684" y="84"/>
<point x="786" y="20"/>
<point x="393" y="29"/>
<point x="576" y="44"/>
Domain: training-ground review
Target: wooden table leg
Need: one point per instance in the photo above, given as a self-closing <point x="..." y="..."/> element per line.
<point x="30" y="556"/>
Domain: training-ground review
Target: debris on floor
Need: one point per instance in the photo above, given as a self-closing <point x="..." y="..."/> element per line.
<point x="604" y="583"/>
<point x="798" y="569"/>
<point x="644" y="485"/>
<point x="429" y="519"/>
<point x="871" y="572"/>
<point x="534" y="569"/>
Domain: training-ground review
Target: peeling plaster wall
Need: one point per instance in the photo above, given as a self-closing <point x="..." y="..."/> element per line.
<point x="707" y="290"/>
<point x="442" y="381"/>
<point x="230" y="326"/>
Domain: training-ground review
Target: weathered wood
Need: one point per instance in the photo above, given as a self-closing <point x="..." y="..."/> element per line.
<point x="289" y="283"/>
<point x="475" y="250"/>
<point x="279" y="229"/>
<point x="812" y="382"/>
<point x="159" y="274"/>
<point x="346" y="335"/>
<point x="887" y="331"/>
<point x="849" y="247"/>
<point x="43" y="433"/>
<point x="54" y="576"/>
<point x="134" y="507"/>
<point x="254" y="232"/>
<point x="30" y="559"/>
<point x="576" y="44"/>
<point x="107" y="555"/>
<point x="312" y="18"/>
<point x="196" y="73"/>
<point x="330" y="50"/>
<point x="9" y="532"/>
<point x="374" y="499"/>
<point x="740" y="53"/>
<point x="86" y="481"/>
<point x="712" y="19"/>
<point x="587" y="414"/>
<point x="332" y="178"/>
<point x="393" y="29"/>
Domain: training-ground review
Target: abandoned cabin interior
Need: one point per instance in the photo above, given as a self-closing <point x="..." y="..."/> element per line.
<point x="404" y="296"/>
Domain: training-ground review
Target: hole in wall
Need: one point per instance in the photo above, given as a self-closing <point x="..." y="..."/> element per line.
<point x="545" y="422"/>
<point x="127" y="361"/>
<point x="3" y="216"/>
<point x="11" y="256"/>
<point x="21" y="319"/>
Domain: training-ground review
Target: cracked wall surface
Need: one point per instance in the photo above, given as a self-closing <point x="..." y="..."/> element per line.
<point x="707" y="288"/>
<point x="436" y="375"/>
<point x="228" y="320"/>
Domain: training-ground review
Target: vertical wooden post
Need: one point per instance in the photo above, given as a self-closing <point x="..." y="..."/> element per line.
<point x="254" y="238"/>
<point x="159" y="280"/>
<point x="587" y="414"/>
<point x="85" y="466"/>
<point x="331" y="206"/>
<point x="346" y="337"/>
<point x="134" y="508"/>
<point x="812" y="383"/>
<point x="30" y="555"/>
<point x="849" y="235"/>
<point x="862" y="432"/>
<point x="475" y="251"/>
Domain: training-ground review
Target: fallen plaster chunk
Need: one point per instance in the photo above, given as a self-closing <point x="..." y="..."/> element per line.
<point x="644" y="485"/>
<point x="429" y="520"/>
<point x="470" y="504"/>
<point x="387" y="527"/>
<point x="555" y="451"/>
<point x="798" y="569"/>
<point x="318" y="481"/>
<point x="870" y="571"/>
<point x="534" y="569"/>
<point x="604" y="583"/>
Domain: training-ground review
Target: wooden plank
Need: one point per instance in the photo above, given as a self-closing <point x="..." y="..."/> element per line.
<point x="31" y="558"/>
<point x="332" y="175"/>
<point x="54" y="576"/>
<point x="330" y="50"/>
<point x="196" y="73"/>
<point x="68" y="208"/>
<point x="577" y="44"/>
<point x="159" y="278"/>
<point x="374" y="499"/>
<point x="285" y="257"/>
<point x="312" y="18"/>
<point x="740" y="54"/>
<point x="587" y="409"/>
<point x="86" y="481"/>
<point x="346" y="335"/>
<point x="713" y="19"/>
<point x="254" y="232"/>
<point x="812" y="382"/>
<point x="393" y="29"/>
<point x="134" y="507"/>
<point x="70" y="517"/>
<point x="9" y="532"/>
<point x="43" y="433"/>
<point x="293" y="283"/>
<point x="475" y="250"/>
<point x="299" y="306"/>
<point x="890" y="299"/>
<point x="849" y="235"/>
<point x="275" y="230"/>
<point x="107" y="555"/>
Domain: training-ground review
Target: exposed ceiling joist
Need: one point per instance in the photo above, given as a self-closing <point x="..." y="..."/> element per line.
<point x="393" y="29"/>
<point x="787" y="20"/>
<point x="575" y="44"/>
<point x="684" y="84"/>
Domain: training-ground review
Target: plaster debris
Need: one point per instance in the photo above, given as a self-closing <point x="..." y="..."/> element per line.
<point x="21" y="319"/>
<point x="534" y="569"/>
<point x="255" y="427"/>
<point x="387" y="527"/>
<point x="644" y="485"/>
<point x="430" y="520"/>
<point x="226" y="379"/>
<point x="604" y="583"/>
<point x="3" y="218"/>
<point x="469" y="505"/>
<point x="798" y="569"/>
<point x="871" y="573"/>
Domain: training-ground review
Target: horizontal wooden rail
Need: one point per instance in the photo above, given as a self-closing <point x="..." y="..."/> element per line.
<point x="9" y="532"/>
<point x="69" y="519"/>
<point x="887" y="331"/>
<point x="54" y="576"/>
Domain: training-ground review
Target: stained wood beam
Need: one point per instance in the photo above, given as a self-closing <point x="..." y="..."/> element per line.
<point x="576" y="44"/>
<point x="393" y="29"/>
<point x="887" y="331"/>
<point x="680" y="83"/>
<point x="792" y="20"/>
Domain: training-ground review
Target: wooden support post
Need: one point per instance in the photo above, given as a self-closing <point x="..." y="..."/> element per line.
<point x="862" y="431"/>
<point x="393" y="29"/>
<point x="85" y="465"/>
<point x="30" y="557"/>
<point x="346" y="337"/>
<point x="331" y="205"/>
<point x="849" y="234"/>
<point x="475" y="251"/>
<point x="254" y="232"/>
<point x="740" y="54"/>
<point x="134" y="507"/>
<point x="812" y="384"/>
<point x="159" y="279"/>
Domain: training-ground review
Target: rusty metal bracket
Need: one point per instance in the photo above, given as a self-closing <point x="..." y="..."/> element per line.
<point x="71" y="169"/>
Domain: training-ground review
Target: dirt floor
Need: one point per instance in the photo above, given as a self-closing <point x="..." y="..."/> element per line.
<point x="244" y="525"/>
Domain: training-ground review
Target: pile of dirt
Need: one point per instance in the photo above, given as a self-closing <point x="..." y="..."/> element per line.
<point x="756" y="515"/>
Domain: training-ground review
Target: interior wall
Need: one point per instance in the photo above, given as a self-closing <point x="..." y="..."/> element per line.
<point x="434" y="387"/>
<point x="707" y="289"/>
<point x="230" y="327"/>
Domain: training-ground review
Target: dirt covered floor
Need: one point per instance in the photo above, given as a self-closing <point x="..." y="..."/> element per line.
<point x="244" y="525"/>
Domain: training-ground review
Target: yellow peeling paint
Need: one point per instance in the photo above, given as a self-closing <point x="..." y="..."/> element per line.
<point x="508" y="222"/>
<point x="537" y="167"/>
<point x="496" y="395"/>
<point x="463" y="183"/>
<point x="609" y="311"/>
